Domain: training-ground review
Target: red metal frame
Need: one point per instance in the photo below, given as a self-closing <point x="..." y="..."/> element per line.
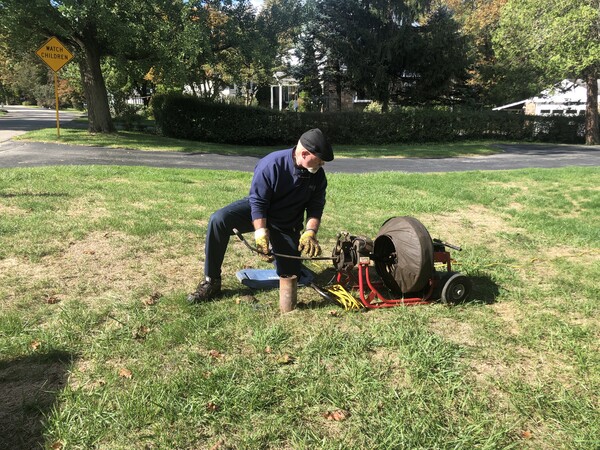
<point x="364" y="284"/>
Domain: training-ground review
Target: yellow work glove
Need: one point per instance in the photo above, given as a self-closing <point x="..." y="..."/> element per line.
<point x="309" y="244"/>
<point x="261" y="239"/>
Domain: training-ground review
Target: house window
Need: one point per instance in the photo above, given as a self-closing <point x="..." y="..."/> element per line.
<point x="557" y="112"/>
<point x="545" y="111"/>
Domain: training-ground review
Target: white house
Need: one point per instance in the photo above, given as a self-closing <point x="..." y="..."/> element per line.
<point x="566" y="98"/>
<point x="284" y="91"/>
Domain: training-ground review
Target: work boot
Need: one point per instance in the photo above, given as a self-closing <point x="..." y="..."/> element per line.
<point x="206" y="290"/>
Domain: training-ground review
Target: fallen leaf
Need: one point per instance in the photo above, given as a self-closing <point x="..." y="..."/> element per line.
<point x="268" y="349"/>
<point x="152" y="299"/>
<point x="52" y="299"/>
<point x="338" y="415"/>
<point x="220" y="444"/>
<point x="526" y="434"/>
<point x="35" y="345"/>
<point x="89" y="252"/>
<point x="212" y="407"/>
<point x="286" y="359"/>
<point x="140" y="333"/>
<point x="215" y="354"/>
<point x="125" y="373"/>
<point x="334" y="313"/>
<point x="58" y="445"/>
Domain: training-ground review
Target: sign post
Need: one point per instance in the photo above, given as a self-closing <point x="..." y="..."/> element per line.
<point x="55" y="55"/>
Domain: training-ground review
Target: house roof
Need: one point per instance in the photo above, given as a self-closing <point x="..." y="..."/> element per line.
<point x="510" y="105"/>
<point x="567" y="92"/>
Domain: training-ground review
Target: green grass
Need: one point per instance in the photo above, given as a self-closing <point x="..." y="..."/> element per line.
<point x="151" y="142"/>
<point x="100" y="350"/>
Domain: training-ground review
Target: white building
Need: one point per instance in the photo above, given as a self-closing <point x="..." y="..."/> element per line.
<point x="283" y="92"/>
<point x="566" y="98"/>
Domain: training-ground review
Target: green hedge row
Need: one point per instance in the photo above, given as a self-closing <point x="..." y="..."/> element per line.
<point x="188" y="117"/>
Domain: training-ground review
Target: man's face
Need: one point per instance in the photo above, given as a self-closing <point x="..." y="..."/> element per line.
<point x="309" y="161"/>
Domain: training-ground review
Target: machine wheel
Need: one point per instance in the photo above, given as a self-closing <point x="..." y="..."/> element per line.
<point x="456" y="289"/>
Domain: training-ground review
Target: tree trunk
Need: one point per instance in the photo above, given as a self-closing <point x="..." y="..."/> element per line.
<point x="99" y="120"/>
<point x="592" y="131"/>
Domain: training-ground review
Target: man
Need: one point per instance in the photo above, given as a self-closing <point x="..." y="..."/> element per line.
<point x="287" y="185"/>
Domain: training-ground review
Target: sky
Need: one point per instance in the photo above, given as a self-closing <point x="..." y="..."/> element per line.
<point x="257" y="3"/>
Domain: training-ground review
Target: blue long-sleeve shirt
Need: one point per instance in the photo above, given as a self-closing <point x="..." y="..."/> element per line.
<point x="282" y="192"/>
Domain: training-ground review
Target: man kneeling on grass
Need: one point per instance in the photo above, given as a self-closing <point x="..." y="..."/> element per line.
<point x="287" y="184"/>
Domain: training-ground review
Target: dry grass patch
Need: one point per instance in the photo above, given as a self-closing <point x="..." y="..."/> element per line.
<point x="476" y="226"/>
<point x="87" y="207"/>
<point x="484" y="227"/>
<point x="455" y="331"/>
<point x="587" y="257"/>
<point x="6" y="210"/>
<point x="508" y="314"/>
<point x="103" y="264"/>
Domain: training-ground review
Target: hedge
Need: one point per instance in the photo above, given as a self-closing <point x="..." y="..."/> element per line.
<point x="189" y="117"/>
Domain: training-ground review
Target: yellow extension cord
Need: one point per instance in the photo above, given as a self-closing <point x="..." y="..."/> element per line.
<point x="343" y="297"/>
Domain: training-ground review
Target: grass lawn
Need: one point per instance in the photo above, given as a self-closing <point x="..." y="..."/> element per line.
<point x="151" y="142"/>
<point x="99" y="348"/>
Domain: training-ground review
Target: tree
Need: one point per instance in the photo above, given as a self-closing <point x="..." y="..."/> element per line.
<point x="224" y="43"/>
<point x="130" y="29"/>
<point x="559" y="39"/>
<point x="371" y="38"/>
<point x="439" y="59"/>
<point x="279" y="23"/>
<point x="478" y="20"/>
<point x="392" y="49"/>
<point x="307" y="72"/>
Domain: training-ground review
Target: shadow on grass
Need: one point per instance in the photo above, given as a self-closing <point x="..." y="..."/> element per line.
<point x="485" y="291"/>
<point x="33" y="194"/>
<point x="146" y="141"/>
<point x="28" y="389"/>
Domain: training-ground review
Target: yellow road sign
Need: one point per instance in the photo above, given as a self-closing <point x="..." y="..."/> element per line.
<point x="54" y="54"/>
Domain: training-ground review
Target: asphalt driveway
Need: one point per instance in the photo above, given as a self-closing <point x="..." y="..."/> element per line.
<point x="35" y="154"/>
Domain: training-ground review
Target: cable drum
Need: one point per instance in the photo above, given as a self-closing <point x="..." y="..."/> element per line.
<point x="403" y="255"/>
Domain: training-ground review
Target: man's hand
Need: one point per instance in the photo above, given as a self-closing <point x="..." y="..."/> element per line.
<point x="309" y="244"/>
<point x="261" y="239"/>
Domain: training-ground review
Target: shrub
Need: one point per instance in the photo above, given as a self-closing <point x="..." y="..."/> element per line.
<point x="189" y="117"/>
<point x="130" y="117"/>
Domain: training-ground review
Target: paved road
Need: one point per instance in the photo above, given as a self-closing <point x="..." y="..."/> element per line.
<point x="22" y="118"/>
<point x="32" y="154"/>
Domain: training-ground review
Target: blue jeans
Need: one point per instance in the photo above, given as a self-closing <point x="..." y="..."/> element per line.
<point x="237" y="215"/>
